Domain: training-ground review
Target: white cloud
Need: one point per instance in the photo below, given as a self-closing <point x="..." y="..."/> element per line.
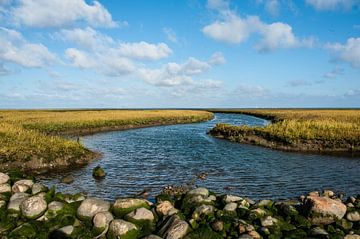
<point x="218" y="4"/>
<point x="174" y="74"/>
<point x="234" y="29"/>
<point x="170" y="34"/>
<point x="79" y="58"/>
<point x="249" y="91"/>
<point x="144" y="51"/>
<point x="14" y="48"/>
<point x="348" y="52"/>
<point x="58" y="13"/>
<point x="332" y="4"/>
<point x="217" y="59"/>
<point x="334" y="73"/>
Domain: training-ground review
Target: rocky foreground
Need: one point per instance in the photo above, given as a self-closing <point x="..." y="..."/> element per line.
<point x="31" y="210"/>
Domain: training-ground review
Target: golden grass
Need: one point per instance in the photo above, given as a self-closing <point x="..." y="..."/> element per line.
<point x="299" y="129"/>
<point x="32" y="135"/>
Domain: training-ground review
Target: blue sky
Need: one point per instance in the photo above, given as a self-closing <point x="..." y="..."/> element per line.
<point x="190" y="53"/>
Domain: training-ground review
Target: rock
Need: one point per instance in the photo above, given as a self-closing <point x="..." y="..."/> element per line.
<point x="318" y="231"/>
<point x="101" y="220"/>
<point x="203" y="210"/>
<point x="25" y="230"/>
<point x="69" y="179"/>
<point x="217" y="225"/>
<point x="231" y="198"/>
<point x="20" y="188"/>
<point x="67" y="230"/>
<point x="98" y="172"/>
<point x="33" y="207"/>
<point x="2" y="204"/>
<point x="15" y="201"/>
<point x="245" y="236"/>
<point x="90" y="206"/>
<point x="199" y="191"/>
<point x="174" y="228"/>
<point x="55" y="206"/>
<point x="257" y="213"/>
<point x="323" y="210"/>
<point x="27" y="182"/>
<point x="344" y="224"/>
<point x="165" y="208"/>
<point x="38" y="188"/>
<point x="352" y="236"/>
<point x="254" y="235"/>
<point x="269" y="221"/>
<point x="328" y="193"/>
<point x="314" y="194"/>
<point x="4" y="178"/>
<point x="5" y="188"/>
<point x="230" y="207"/>
<point x="124" y="206"/>
<point x="152" y="237"/>
<point x="353" y="216"/>
<point x="122" y="229"/>
<point x="265" y="203"/>
<point x="140" y="214"/>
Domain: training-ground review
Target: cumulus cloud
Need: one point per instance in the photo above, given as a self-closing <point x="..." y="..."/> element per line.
<point x="144" y="51"/>
<point x="348" y="52"/>
<point x="79" y="58"/>
<point x="332" y="4"/>
<point x="58" y="13"/>
<point x="14" y="48"/>
<point x="234" y="29"/>
<point x="170" y="34"/>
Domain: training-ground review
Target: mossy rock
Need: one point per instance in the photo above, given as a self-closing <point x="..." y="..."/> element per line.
<point x="98" y="172"/>
<point x="124" y="206"/>
<point x="296" y="234"/>
<point x="203" y="233"/>
<point x="26" y="230"/>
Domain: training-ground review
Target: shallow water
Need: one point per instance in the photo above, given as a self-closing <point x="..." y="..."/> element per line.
<point x="154" y="157"/>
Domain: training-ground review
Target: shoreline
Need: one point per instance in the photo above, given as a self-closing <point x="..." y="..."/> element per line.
<point x="252" y="137"/>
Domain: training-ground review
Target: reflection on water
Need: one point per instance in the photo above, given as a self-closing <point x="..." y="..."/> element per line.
<point x="155" y="157"/>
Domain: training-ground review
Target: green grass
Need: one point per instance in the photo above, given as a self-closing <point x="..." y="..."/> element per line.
<point x="299" y="129"/>
<point x="32" y="140"/>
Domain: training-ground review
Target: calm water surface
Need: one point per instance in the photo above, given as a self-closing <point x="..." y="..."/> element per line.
<point x="171" y="155"/>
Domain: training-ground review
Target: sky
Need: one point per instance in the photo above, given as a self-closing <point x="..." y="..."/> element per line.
<point x="179" y="53"/>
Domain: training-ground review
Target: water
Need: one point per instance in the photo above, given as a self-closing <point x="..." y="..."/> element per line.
<point x="171" y="155"/>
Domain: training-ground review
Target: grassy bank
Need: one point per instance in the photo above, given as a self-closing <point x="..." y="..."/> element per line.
<point x="324" y="131"/>
<point x="33" y="140"/>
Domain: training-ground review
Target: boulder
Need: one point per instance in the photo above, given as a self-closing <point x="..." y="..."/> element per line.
<point x="352" y="236"/>
<point x="5" y="188"/>
<point x="269" y="221"/>
<point x="203" y="210"/>
<point x="122" y="229"/>
<point x="4" y="178"/>
<point x="140" y="214"/>
<point x="230" y="207"/>
<point x="38" y="188"/>
<point x="27" y="182"/>
<point x="231" y="198"/>
<point x="67" y="230"/>
<point x="98" y="172"/>
<point x="174" y="228"/>
<point x="124" y="206"/>
<point x="165" y="208"/>
<point x="323" y="210"/>
<point x="152" y="237"/>
<point x="353" y="216"/>
<point x="90" y="206"/>
<point x="217" y="225"/>
<point x="15" y="201"/>
<point x="102" y="220"/>
<point x="33" y="207"/>
<point x="20" y="188"/>
<point x="68" y="179"/>
<point x="199" y="191"/>
<point x="2" y="204"/>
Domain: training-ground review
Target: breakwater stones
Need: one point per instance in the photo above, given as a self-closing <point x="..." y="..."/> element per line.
<point x="31" y="210"/>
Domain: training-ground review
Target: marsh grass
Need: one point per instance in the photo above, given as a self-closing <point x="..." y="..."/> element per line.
<point x="307" y="130"/>
<point x="32" y="138"/>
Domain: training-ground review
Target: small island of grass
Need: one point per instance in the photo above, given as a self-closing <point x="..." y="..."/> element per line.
<point x="333" y="131"/>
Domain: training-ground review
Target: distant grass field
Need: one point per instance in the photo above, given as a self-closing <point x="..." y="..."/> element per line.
<point x="299" y="129"/>
<point x="32" y="139"/>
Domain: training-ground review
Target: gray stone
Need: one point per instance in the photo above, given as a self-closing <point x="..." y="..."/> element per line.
<point x="265" y="203"/>
<point x="230" y="207"/>
<point x="67" y="179"/>
<point x="199" y="191"/>
<point x="90" y="206"/>
<point x="318" y="231"/>
<point x="102" y="219"/>
<point x="4" y="178"/>
<point x="328" y="193"/>
<point x="165" y="208"/>
<point x="353" y="216"/>
<point x="140" y="214"/>
<point x="203" y="210"/>
<point x="152" y="237"/>
<point x="37" y="188"/>
<point x="33" y="207"/>
<point x="352" y="236"/>
<point x="232" y="198"/>
<point x="323" y="210"/>
<point x="55" y="206"/>
<point x="5" y="188"/>
<point x="269" y="221"/>
<point x="245" y="236"/>
<point x="67" y="230"/>
<point x="124" y="206"/>
<point x="174" y="228"/>
<point x="15" y="201"/>
<point x="119" y="228"/>
<point x="20" y="188"/>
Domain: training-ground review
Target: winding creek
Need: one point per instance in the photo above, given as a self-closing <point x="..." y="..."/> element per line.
<point x="151" y="158"/>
